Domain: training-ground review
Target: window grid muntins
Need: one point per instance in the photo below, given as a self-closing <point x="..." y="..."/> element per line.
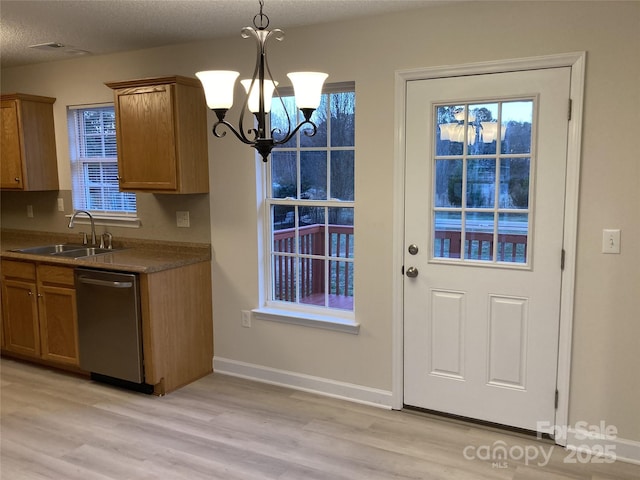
<point x="94" y="163"/>
<point x="311" y="247"/>
<point x="97" y="133"/>
<point x="482" y="186"/>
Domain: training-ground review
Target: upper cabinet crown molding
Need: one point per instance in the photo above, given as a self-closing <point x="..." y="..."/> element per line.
<point x="27" y="143"/>
<point x="161" y="130"/>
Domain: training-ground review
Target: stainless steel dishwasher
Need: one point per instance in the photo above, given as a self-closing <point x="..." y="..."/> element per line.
<point x="109" y="327"/>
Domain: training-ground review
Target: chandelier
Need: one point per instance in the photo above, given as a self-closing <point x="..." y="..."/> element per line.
<point x="219" y="88"/>
<point x="476" y="130"/>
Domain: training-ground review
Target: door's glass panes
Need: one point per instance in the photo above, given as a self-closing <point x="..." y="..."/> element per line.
<point x="312" y="285"/>
<point x="319" y="118"/>
<point x="513" y="234"/>
<point x="514" y="182"/>
<point x="481" y="183"/>
<point x="313" y="175"/>
<point x="517" y="118"/>
<point x="340" y="232"/>
<point x="450" y="128"/>
<point x="280" y="124"/>
<point x="342" y="175"/>
<point x="284" y="174"/>
<point x="343" y="108"/>
<point x="482" y="132"/>
<point x="478" y="239"/>
<point x="447" y="237"/>
<point x="284" y="278"/>
<point x="448" y="183"/>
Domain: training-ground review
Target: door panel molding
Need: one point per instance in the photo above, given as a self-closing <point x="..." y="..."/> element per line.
<point x="576" y="61"/>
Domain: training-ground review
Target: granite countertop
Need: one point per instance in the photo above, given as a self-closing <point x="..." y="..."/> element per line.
<point x="129" y="255"/>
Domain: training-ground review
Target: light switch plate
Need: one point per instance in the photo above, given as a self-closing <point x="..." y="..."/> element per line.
<point x="182" y="219"/>
<point x="610" y="241"/>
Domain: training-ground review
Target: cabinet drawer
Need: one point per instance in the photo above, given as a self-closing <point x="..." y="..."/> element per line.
<point x="22" y="270"/>
<point x="56" y="275"/>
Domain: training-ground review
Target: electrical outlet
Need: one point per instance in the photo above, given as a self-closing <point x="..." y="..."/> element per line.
<point x="182" y="219"/>
<point x="30" y="211"/>
<point x="246" y="318"/>
<point x="610" y="241"/>
<point x="61" y="204"/>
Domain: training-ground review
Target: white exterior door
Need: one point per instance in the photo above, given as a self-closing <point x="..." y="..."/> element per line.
<point x="484" y="206"/>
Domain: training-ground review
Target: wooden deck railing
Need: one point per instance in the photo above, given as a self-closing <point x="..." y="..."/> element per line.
<point x="479" y="246"/>
<point x="312" y="270"/>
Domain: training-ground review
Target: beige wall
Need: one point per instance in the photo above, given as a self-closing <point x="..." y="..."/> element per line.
<point x="605" y="382"/>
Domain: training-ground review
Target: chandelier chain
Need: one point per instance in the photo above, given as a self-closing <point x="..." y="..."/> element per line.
<point x="261" y="20"/>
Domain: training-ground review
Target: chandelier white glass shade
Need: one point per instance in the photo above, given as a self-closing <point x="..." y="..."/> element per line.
<point x="219" y="86"/>
<point x="485" y="132"/>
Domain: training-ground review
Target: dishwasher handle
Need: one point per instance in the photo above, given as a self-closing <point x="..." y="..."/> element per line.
<point x="104" y="283"/>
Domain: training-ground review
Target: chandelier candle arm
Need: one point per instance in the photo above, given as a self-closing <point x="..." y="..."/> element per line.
<point x="219" y="87"/>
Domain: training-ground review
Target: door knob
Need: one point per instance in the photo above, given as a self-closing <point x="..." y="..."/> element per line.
<point x="413" y="249"/>
<point x="412" y="272"/>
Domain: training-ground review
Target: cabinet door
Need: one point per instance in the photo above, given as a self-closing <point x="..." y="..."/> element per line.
<point x="20" y="311"/>
<point x="146" y="138"/>
<point x="58" y="324"/>
<point x="10" y="151"/>
<point x="58" y="315"/>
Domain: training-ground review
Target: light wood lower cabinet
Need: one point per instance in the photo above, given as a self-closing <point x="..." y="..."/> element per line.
<point x="39" y="311"/>
<point x="40" y="319"/>
<point x="177" y="326"/>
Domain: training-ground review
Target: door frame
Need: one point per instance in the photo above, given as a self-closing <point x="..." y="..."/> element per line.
<point x="575" y="60"/>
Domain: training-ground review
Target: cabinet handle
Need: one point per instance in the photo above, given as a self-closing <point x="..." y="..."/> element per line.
<point x="30" y="293"/>
<point x="17" y="179"/>
<point x="39" y="295"/>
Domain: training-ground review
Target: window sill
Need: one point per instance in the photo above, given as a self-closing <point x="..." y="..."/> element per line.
<point x="108" y="220"/>
<point x="326" y="322"/>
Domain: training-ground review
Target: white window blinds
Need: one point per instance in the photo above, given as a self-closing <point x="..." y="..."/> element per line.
<point x="94" y="162"/>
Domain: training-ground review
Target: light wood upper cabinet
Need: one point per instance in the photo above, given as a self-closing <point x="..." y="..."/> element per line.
<point x="161" y="129"/>
<point x="27" y="143"/>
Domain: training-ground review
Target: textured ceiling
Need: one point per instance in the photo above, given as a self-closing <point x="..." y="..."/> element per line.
<point x="108" y="26"/>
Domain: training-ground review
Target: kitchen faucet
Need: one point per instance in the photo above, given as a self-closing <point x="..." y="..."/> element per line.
<point x="93" y="226"/>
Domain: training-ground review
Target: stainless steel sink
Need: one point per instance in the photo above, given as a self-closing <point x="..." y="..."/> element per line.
<point x="66" y="250"/>
<point x="50" y="249"/>
<point x="83" y="252"/>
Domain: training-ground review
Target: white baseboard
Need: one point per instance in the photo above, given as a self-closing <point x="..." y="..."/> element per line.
<point x="306" y="383"/>
<point x="584" y="441"/>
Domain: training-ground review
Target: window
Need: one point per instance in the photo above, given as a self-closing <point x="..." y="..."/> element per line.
<point x="482" y="180"/>
<point x="309" y="209"/>
<point x="94" y="162"/>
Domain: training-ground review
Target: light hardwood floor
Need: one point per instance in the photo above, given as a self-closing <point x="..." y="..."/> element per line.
<point x="58" y="426"/>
